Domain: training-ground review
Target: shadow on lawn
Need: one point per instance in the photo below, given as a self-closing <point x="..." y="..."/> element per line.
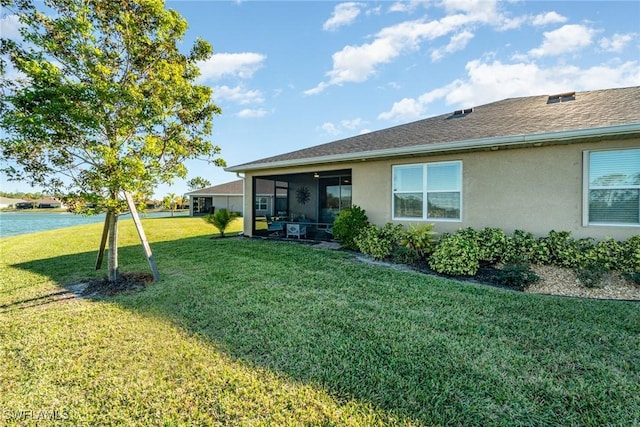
<point x="320" y="318"/>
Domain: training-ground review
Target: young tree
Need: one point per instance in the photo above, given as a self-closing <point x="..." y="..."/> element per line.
<point x="221" y="220"/>
<point x="198" y="183"/>
<point x="105" y="102"/>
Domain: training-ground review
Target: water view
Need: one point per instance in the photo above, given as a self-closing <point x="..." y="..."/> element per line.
<point x="14" y="223"/>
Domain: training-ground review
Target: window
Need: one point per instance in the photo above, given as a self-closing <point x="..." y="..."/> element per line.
<point x="261" y="203"/>
<point x="431" y="191"/>
<point x="613" y="187"/>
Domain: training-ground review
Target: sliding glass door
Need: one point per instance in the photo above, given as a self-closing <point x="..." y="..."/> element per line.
<point x="335" y="195"/>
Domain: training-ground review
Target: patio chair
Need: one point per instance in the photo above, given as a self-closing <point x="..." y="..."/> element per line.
<point x="275" y="228"/>
<point x="297" y="230"/>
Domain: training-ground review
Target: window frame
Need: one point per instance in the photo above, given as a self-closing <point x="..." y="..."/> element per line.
<point x="586" y="188"/>
<point x="258" y="203"/>
<point x="425" y="192"/>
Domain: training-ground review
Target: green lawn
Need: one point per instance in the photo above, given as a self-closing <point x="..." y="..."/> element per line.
<point x="251" y="332"/>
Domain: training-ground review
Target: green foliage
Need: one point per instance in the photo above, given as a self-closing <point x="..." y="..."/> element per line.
<point x="607" y="254"/>
<point x="516" y="275"/>
<point x="379" y="242"/>
<point x="198" y="183"/>
<point x="492" y="244"/>
<point x="419" y="239"/>
<point x="592" y="276"/>
<point x="405" y="255"/>
<point x="335" y="336"/>
<point x="564" y="250"/>
<point x="221" y="220"/>
<point x="632" y="277"/>
<point x="524" y="248"/>
<point x="629" y="262"/>
<point x="108" y="100"/>
<point x="348" y="224"/>
<point x="457" y="254"/>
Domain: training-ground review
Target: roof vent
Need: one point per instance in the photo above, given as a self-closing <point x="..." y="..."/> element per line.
<point x="561" y="97"/>
<point x="460" y="113"/>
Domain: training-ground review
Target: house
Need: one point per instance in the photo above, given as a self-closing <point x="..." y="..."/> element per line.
<point x="26" y="204"/>
<point x="568" y="161"/>
<point x="228" y="196"/>
<point x="48" y="203"/>
<point x="7" y="202"/>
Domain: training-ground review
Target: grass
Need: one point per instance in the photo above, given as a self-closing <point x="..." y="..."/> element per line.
<point x="251" y="332"/>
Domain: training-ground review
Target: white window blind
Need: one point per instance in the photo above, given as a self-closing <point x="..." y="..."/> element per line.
<point x="614" y="187"/>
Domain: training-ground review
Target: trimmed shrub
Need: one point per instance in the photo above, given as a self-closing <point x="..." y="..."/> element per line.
<point x="607" y="254"/>
<point x="629" y="262"/>
<point x="564" y="251"/>
<point x="379" y="242"/>
<point x="492" y="243"/>
<point x="456" y="254"/>
<point x="592" y="276"/>
<point x="348" y="224"/>
<point x="524" y="248"/>
<point x="632" y="277"/>
<point x="517" y="276"/>
<point x="405" y="255"/>
<point x="419" y="239"/>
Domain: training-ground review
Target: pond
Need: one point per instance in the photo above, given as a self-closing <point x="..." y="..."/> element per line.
<point x="14" y="223"/>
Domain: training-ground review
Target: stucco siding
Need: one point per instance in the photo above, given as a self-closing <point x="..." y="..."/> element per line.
<point x="536" y="189"/>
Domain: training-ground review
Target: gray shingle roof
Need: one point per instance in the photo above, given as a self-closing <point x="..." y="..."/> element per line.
<point x="233" y="188"/>
<point x="533" y="115"/>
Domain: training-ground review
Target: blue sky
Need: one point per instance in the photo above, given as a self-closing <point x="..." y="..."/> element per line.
<point x="290" y="75"/>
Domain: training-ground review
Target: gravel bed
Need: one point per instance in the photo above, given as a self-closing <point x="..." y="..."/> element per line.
<point x="554" y="281"/>
<point x="563" y="281"/>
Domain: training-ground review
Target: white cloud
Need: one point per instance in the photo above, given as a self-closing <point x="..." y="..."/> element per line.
<point x="406" y="6"/>
<point x="409" y="109"/>
<point x="10" y="27"/>
<point x="249" y="113"/>
<point x="238" y="94"/>
<point x="457" y="42"/>
<point x="333" y="129"/>
<point x="491" y="81"/>
<point x="329" y="129"/>
<point x="616" y="43"/>
<point x="548" y="18"/>
<point x="566" y="39"/>
<point x="240" y="65"/>
<point x="343" y="14"/>
<point x="406" y="109"/>
<point x="355" y="64"/>
<point x="352" y="124"/>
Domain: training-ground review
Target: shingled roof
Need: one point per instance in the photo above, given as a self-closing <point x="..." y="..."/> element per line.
<point x="514" y="121"/>
<point x="233" y="188"/>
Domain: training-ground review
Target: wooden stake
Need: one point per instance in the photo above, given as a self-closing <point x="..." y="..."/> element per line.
<point x="143" y="238"/>
<point x="103" y="242"/>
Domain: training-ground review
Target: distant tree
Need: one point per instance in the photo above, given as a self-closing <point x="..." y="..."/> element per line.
<point x="198" y="183"/>
<point x="221" y="219"/>
<point x="105" y="102"/>
<point x="172" y="201"/>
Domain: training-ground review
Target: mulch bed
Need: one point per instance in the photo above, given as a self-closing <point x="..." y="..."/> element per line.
<point x="126" y="283"/>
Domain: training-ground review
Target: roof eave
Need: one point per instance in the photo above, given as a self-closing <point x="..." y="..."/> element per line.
<point x="444" y="147"/>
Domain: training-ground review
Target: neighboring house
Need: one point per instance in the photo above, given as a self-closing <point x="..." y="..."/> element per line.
<point x="228" y="196"/>
<point x="7" y="202"/>
<point x="569" y="162"/>
<point x="25" y="204"/>
<point x="48" y="203"/>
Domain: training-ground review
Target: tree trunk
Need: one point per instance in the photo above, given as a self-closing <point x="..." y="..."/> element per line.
<point x="113" y="246"/>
